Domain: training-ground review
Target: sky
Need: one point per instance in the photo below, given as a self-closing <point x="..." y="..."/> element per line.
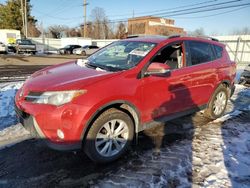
<point x="222" y="21"/>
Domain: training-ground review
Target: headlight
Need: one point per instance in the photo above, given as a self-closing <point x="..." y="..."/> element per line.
<point x="56" y="98"/>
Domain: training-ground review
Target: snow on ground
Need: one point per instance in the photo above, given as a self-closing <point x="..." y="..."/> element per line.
<point x="7" y="112"/>
<point x="216" y="155"/>
<point x="10" y="130"/>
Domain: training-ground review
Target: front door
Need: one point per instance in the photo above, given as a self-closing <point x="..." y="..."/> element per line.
<point x="163" y="96"/>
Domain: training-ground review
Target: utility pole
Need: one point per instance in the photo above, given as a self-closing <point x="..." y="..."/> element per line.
<point x="85" y="17"/>
<point x="132" y="29"/>
<point x="22" y="13"/>
<point x="25" y="18"/>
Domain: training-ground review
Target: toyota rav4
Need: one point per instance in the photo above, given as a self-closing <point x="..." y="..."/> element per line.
<point x="101" y="103"/>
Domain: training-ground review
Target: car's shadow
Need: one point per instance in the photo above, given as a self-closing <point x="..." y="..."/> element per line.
<point x="32" y="163"/>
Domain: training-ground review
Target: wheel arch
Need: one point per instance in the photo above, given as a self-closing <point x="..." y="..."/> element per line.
<point x="225" y="83"/>
<point x="122" y="105"/>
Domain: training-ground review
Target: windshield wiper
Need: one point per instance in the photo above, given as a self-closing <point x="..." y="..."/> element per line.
<point x="90" y="65"/>
<point x="94" y="66"/>
<point x="104" y="67"/>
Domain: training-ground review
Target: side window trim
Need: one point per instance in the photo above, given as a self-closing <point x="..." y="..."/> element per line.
<point x="190" y="54"/>
<point x="187" y="54"/>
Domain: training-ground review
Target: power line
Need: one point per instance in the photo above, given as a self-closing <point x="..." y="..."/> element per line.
<point x="172" y="8"/>
<point x="168" y="14"/>
<point x="185" y="11"/>
<point x="211" y="15"/>
<point x="206" y="10"/>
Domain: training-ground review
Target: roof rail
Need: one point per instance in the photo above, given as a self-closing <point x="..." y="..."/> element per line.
<point x="174" y="36"/>
<point x="207" y="37"/>
<point x="144" y="35"/>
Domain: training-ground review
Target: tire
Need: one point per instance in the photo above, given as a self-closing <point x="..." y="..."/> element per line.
<point x="83" y="53"/>
<point x="101" y="145"/>
<point x="218" y="103"/>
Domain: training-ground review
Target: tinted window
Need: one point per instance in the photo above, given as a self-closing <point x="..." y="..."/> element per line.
<point x="218" y="51"/>
<point x="200" y="52"/>
<point x="93" y="47"/>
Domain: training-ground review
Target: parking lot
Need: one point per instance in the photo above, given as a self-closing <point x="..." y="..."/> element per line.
<point x="39" y="59"/>
<point x="190" y="151"/>
<point x="22" y="65"/>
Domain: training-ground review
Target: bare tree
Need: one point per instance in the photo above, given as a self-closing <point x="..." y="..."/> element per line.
<point x="56" y="31"/>
<point x="242" y="31"/>
<point x="33" y="31"/>
<point x="121" y="32"/>
<point x="197" y="32"/>
<point x="100" y="23"/>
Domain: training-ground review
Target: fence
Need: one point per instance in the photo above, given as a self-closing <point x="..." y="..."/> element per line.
<point x="238" y="48"/>
<point x="50" y="44"/>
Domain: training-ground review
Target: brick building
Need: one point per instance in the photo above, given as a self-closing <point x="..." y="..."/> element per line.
<point x="149" y="25"/>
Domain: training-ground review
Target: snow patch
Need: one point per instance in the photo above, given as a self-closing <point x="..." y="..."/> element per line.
<point x="227" y="116"/>
<point x="12" y="135"/>
<point x="7" y="111"/>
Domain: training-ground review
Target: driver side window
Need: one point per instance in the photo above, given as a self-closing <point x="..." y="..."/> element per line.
<point x="172" y="55"/>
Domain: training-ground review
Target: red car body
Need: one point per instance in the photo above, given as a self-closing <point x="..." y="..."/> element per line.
<point x="146" y="98"/>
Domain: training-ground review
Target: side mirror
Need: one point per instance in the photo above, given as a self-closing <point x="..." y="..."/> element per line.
<point x="158" y="69"/>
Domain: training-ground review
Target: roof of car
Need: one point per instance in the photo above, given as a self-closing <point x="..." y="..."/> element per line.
<point x="159" y="39"/>
<point x="153" y="39"/>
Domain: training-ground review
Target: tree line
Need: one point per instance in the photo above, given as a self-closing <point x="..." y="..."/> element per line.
<point x="99" y="27"/>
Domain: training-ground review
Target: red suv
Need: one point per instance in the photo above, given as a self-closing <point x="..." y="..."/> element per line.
<point x="100" y="103"/>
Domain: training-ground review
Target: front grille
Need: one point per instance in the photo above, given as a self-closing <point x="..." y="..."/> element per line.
<point x="21" y="114"/>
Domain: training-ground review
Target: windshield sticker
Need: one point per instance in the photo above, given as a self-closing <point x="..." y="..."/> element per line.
<point x="81" y="62"/>
<point x="139" y="52"/>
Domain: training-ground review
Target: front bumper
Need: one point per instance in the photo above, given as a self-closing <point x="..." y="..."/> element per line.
<point x="29" y="122"/>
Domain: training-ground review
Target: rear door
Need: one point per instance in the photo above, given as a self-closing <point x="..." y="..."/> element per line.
<point x="202" y="70"/>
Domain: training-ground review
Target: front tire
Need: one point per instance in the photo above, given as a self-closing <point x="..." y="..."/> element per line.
<point x="218" y="103"/>
<point x="109" y="136"/>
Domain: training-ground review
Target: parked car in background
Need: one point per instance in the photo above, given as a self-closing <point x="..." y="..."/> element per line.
<point x="3" y="48"/>
<point x="86" y="50"/>
<point x="99" y="104"/>
<point x="245" y="75"/>
<point x="25" y="46"/>
<point x="68" y="49"/>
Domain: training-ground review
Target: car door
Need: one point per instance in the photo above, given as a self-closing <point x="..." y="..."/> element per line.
<point x="167" y="95"/>
<point x="202" y="71"/>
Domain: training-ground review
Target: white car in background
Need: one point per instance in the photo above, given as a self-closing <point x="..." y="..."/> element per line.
<point x="3" y="48"/>
<point x="86" y="50"/>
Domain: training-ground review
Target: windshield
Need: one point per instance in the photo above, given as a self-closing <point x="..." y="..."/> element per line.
<point x="24" y="42"/>
<point x="121" y="55"/>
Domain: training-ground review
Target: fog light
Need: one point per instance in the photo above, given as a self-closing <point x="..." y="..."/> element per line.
<point x="60" y="134"/>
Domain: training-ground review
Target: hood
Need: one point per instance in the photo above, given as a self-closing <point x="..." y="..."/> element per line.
<point x="68" y="76"/>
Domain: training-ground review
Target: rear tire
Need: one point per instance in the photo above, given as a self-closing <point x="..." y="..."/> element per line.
<point x="109" y="136"/>
<point x="218" y="103"/>
<point x="84" y="53"/>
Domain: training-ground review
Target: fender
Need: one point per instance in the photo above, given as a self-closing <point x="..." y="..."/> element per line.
<point x="123" y="104"/>
<point x="222" y="82"/>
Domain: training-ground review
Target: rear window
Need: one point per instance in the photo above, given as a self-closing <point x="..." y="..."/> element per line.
<point x="218" y="51"/>
<point x="201" y="52"/>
